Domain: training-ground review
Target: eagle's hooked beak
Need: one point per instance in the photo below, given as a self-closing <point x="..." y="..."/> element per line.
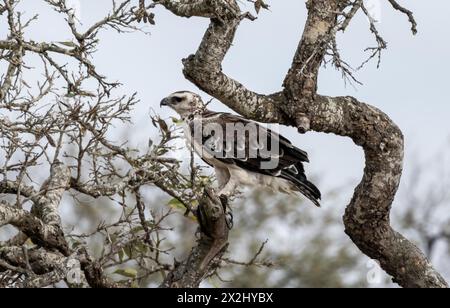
<point x="164" y="102"/>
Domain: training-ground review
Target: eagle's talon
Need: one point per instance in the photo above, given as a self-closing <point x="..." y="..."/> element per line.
<point x="229" y="219"/>
<point x="227" y="210"/>
<point x="224" y="201"/>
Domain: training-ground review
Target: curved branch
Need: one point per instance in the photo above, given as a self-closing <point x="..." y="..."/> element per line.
<point x="43" y="224"/>
<point x="205" y="70"/>
<point x="367" y="217"/>
<point x="47" y="236"/>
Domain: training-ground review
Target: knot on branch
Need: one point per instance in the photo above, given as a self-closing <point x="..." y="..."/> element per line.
<point x="189" y="65"/>
<point x="303" y="123"/>
<point x="201" y="72"/>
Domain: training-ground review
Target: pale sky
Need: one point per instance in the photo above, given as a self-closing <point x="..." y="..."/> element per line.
<point x="410" y="86"/>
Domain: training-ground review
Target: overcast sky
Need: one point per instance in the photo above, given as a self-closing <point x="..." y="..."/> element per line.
<point x="411" y="85"/>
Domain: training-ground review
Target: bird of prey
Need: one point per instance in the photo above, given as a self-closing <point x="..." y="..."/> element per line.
<point x="242" y="152"/>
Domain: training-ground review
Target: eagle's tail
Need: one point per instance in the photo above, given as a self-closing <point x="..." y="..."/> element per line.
<point x="310" y="191"/>
<point x="301" y="183"/>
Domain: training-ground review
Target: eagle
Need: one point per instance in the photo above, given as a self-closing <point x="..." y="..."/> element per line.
<point x="242" y="152"/>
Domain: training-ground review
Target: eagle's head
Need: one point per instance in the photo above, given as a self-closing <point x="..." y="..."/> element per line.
<point x="185" y="103"/>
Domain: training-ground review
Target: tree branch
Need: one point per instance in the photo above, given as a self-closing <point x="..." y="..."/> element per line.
<point x="53" y="189"/>
<point x="213" y="242"/>
<point x="45" y="268"/>
<point x="44" y="235"/>
<point x="367" y="216"/>
<point x="408" y="13"/>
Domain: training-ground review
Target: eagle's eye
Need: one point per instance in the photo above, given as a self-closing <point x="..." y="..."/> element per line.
<point x="178" y="99"/>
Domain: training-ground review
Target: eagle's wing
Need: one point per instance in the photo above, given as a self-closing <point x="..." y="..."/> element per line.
<point x="259" y="155"/>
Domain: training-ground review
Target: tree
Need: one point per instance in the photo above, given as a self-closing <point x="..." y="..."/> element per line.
<point x="70" y="137"/>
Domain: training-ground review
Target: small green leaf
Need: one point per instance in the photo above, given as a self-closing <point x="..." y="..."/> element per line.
<point x="127" y="272"/>
<point x="142" y="247"/>
<point x="176" y="204"/>
<point x="137" y="229"/>
<point x="128" y="249"/>
<point x="161" y="151"/>
<point x="113" y="238"/>
<point x="264" y="5"/>
<point x="121" y="255"/>
<point x="205" y="180"/>
<point x="76" y="244"/>
<point x="176" y="121"/>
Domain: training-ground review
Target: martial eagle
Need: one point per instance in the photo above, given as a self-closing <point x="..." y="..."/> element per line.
<point x="242" y="152"/>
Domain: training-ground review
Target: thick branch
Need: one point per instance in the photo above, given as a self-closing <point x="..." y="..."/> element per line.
<point x="36" y="47"/>
<point x="367" y="216"/>
<point x="9" y="187"/>
<point x="44" y="235"/>
<point x="47" y="268"/>
<point x="43" y="268"/>
<point x="43" y="224"/>
<point x="302" y="77"/>
<point x="53" y="189"/>
<point x="211" y="245"/>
